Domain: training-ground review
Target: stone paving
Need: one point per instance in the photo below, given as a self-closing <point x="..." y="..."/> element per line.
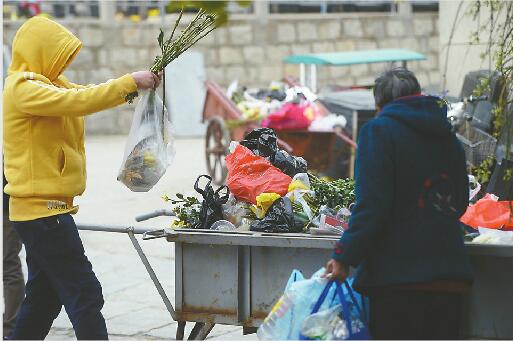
<point x="133" y="308"/>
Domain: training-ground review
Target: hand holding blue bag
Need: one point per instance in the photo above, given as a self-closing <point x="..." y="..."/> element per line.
<point x="342" y="321"/>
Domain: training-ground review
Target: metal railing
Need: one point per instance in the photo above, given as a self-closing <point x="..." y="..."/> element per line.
<point x="137" y="10"/>
<point x="120" y="9"/>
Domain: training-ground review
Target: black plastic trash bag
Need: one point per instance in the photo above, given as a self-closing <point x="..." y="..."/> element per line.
<point x="279" y="218"/>
<point x="212" y="205"/>
<point x="262" y="142"/>
<point x="288" y="164"/>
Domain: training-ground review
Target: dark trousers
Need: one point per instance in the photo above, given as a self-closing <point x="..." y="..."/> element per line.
<point x="14" y="284"/>
<point x="415" y="315"/>
<point x="59" y="273"/>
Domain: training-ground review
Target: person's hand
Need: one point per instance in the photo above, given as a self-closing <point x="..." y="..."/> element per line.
<point x="336" y="270"/>
<point x="146" y="80"/>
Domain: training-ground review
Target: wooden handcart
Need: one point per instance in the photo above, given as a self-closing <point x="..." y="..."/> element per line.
<point x="316" y="147"/>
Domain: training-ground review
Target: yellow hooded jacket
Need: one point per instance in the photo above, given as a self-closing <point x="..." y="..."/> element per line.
<point x="43" y="121"/>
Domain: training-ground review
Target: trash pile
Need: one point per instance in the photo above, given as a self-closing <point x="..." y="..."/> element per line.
<point x="281" y="107"/>
<point x="267" y="190"/>
<point x="488" y="220"/>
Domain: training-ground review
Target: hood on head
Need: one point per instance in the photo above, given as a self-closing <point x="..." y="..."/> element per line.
<point x="427" y="114"/>
<point x="43" y="46"/>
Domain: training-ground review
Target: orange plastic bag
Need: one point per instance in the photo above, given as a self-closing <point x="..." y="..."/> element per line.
<point x="250" y="175"/>
<point x="489" y="213"/>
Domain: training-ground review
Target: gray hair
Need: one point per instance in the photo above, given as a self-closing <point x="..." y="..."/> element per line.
<point x="394" y="83"/>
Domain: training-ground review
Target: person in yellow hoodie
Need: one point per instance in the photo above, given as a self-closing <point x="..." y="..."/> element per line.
<point x="44" y="163"/>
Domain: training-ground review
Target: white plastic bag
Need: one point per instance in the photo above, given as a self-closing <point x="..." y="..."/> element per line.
<point x="325" y="325"/>
<point x="149" y="149"/>
<point x="234" y="211"/>
<point x="328" y="123"/>
<point x="493" y="236"/>
<point x="297" y="195"/>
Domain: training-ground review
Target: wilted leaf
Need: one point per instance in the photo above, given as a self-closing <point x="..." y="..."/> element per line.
<point x="160" y="39"/>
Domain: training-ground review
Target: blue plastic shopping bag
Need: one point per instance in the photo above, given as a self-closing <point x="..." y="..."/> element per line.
<point x="344" y="319"/>
<point x="293" y="307"/>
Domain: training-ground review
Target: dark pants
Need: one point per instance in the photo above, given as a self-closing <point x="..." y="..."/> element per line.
<point x="14" y="284"/>
<point x="415" y="315"/>
<point x="59" y="274"/>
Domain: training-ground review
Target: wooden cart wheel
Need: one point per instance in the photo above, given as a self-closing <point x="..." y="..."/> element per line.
<point x="217" y="142"/>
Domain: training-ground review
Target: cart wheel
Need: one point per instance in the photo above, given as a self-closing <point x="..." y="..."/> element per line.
<point x="217" y="142"/>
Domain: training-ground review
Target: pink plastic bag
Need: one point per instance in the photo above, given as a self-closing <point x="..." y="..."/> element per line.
<point x="489" y="213"/>
<point x="250" y="175"/>
<point x="289" y="117"/>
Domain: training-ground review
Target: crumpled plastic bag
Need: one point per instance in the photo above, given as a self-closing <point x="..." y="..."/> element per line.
<point x="296" y="304"/>
<point x="223" y="225"/>
<point x="250" y="175"/>
<point x="299" y="188"/>
<point x="300" y="182"/>
<point x="293" y="307"/>
<point x="344" y="321"/>
<point x="264" y="202"/>
<point x="234" y="211"/>
<point x="328" y="123"/>
<point x="490" y="213"/>
<point x="212" y="206"/>
<point x="279" y="219"/>
<point x="149" y="149"/>
<point x="492" y="236"/>
<point x="325" y="325"/>
<point x="262" y="142"/>
<point x="289" y="164"/>
<point x="291" y="116"/>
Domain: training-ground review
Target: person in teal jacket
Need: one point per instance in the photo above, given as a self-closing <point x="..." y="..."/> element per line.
<point x="404" y="234"/>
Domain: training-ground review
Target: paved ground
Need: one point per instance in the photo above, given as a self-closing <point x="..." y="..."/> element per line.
<point x="133" y="309"/>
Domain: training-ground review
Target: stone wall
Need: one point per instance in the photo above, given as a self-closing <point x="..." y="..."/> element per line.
<point x="250" y="49"/>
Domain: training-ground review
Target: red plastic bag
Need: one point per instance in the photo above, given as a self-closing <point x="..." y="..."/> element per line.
<point x="289" y="117"/>
<point x="250" y="175"/>
<point x="489" y="213"/>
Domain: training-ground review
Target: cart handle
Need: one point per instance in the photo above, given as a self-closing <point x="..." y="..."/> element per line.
<point x="346" y="139"/>
<point x="154" y="214"/>
<point x="284" y="145"/>
<point x="154" y="234"/>
<point x="132" y="231"/>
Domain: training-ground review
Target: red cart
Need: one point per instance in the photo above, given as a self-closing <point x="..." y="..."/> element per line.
<point x="220" y="113"/>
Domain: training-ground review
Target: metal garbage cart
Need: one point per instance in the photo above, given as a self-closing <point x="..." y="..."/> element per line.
<point x="235" y="278"/>
<point x="239" y="276"/>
